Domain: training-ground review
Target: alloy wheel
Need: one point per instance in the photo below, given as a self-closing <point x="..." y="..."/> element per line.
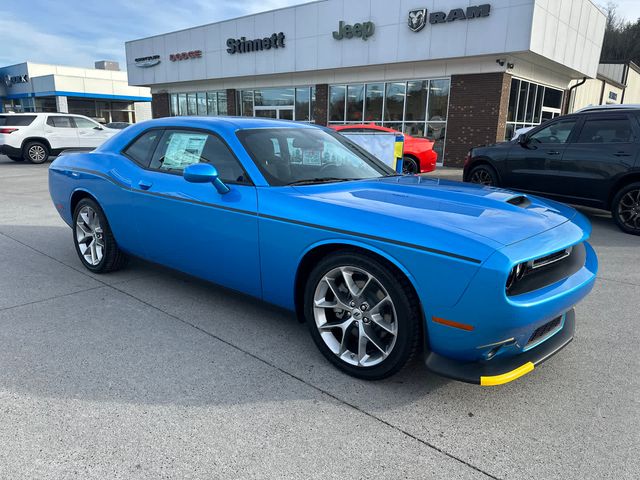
<point x="409" y="166"/>
<point x="481" y="177"/>
<point x="37" y="153"/>
<point x="90" y="236"/>
<point x="355" y="316"/>
<point x="629" y="209"/>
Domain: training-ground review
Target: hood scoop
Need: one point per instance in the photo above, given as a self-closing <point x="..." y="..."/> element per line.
<point x="519" y="201"/>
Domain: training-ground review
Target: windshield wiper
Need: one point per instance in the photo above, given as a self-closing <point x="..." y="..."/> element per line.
<point x="310" y="181"/>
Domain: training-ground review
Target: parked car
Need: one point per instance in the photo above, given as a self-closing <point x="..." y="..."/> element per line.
<point x="117" y="125"/>
<point x="33" y="137"/>
<point x="380" y="265"/>
<point x="419" y="156"/>
<point x="589" y="158"/>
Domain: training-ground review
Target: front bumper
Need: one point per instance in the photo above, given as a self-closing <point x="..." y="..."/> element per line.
<point x="501" y="370"/>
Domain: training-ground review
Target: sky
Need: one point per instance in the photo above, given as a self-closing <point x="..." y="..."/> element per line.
<point x="79" y="32"/>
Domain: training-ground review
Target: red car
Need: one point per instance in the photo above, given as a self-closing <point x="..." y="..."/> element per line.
<point x="419" y="156"/>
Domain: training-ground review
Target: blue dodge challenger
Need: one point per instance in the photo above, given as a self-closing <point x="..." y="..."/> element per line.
<point x="480" y="281"/>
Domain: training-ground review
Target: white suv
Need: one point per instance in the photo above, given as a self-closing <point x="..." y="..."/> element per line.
<point x="34" y="136"/>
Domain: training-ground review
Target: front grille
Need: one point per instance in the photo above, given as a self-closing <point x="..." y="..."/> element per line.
<point x="545" y="331"/>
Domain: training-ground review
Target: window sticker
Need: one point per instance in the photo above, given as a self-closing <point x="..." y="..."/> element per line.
<point x="311" y="157"/>
<point x="184" y="149"/>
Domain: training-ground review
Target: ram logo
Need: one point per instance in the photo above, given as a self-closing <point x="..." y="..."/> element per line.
<point x="417" y="19"/>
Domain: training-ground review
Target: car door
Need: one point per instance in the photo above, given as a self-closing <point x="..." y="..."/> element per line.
<point x="60" y="131"/>
<point x="605" y="147"/>
<point x="529" y="163"/>
<point x="90" y="134"/>
<point x="190" y="226"/>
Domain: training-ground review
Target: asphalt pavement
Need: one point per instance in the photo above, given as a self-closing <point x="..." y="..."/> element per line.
<point x="148" y="373"/>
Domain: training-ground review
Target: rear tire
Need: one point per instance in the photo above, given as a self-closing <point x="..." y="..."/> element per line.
<point x="410" y="166"/>
<point x="35" y="152"/>
<point x="484" y="175"/>
<point x="625" y="209"/>
<point x="363" y="316"/>
<point x="95" y="245"/>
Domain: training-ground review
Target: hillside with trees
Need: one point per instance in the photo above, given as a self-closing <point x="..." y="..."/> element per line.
<point x="621" y="38"/>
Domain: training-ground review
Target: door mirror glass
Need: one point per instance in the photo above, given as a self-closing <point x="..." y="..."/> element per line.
<point x="523" y="139"/>
<point x="204" y="173"/>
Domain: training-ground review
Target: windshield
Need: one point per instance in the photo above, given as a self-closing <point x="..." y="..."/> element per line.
<point x="289" y="156"/>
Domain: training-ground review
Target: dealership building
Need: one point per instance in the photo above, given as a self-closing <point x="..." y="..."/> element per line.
<point x="460" y="72"/>
<point x="102" y="93"/>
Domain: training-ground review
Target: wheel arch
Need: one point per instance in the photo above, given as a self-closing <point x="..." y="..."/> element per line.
<point x="36" y="139"/>
<point x="78" y="195"/>
<point x="620" y="184"/>
<point x="320" y="250"/>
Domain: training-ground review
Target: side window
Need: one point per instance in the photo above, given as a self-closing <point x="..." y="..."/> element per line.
<point x="84" y="123"/>
<point x="606" y="130"/>
<point x="140" y="151"/>
<point x="178" y="149"/>
<point x="557" y="132"/>
<point x="60" y="122"/>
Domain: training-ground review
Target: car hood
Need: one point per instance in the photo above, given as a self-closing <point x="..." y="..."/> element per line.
<point x="501" y="217"/>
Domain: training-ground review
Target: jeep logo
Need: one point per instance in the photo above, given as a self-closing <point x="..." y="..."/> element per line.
<point x="362" y="30"/>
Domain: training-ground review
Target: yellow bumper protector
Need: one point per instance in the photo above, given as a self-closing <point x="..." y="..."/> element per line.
<point x="506" y="377"/>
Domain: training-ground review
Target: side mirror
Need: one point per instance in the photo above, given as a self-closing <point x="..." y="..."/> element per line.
<point x="98" y="127"/>
<point x="523" y="139"/>
<point x="204" y="173"/>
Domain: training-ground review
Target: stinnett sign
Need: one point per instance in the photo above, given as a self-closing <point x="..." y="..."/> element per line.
<point x="242" y="45"/>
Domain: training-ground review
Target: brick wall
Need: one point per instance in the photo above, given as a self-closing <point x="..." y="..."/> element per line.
<point x="160" y="105"/>
<point x="321" y="108"/>
<point x="477" y="113"/>
<point x="232" y="104"/>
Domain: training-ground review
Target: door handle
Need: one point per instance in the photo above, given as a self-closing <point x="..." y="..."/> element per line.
<point x="622" y="154"/>
<point x="144" y="185"/>
<point x="553" y="152"/>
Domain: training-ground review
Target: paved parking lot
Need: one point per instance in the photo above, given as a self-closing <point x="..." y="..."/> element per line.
<point x="147" y="373"/>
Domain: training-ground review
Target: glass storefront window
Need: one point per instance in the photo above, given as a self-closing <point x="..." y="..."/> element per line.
<point x="416" y="101"/>
<point x="415" y="129"/>
<point x="552" y="98"/>
<point x="182" y="103"/>
<point x="247" y="103"/>
<point x="222" y="103"/>
<point x="337" y="94"/>
<point x="394" y="106"/>
<point x="212" y="103"/>
<point x="174" y="104"/>
<point x="302" y="104"/>
<point x="355" y="103"/>
<point x="374" y="102"/>
<point x="530" y="104"/>
<point x="267" y="97"/>
<point x="192" y="104"/>
<point x="201" y="103"/>
<point x="437" y="132"/>
<point x="438" y="100"/>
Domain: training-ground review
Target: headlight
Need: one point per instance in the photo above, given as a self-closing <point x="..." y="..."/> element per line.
<point x="516" y="274"/>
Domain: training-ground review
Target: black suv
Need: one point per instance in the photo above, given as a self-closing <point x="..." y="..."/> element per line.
<point x="590" y="158"/>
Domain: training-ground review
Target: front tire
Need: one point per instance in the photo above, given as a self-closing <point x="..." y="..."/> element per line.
<point x="484" y="175"/>
<point x="363" y="316"/>
<point x="625" y="209"/>
<point x="35" y="152"/>
<point x="95" y="245"/>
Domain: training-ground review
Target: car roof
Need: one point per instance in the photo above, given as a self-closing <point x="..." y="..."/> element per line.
<point x="594" y="108"/>
<point x="238" y="123"/>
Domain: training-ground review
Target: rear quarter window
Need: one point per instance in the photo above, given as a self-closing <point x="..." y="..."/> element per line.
<point x="16" y="120"/>
<point x="142" y="148"/>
